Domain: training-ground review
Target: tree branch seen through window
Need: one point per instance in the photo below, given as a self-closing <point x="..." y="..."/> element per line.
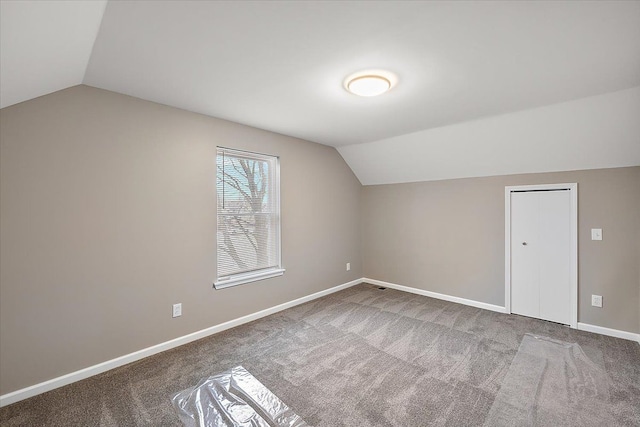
<point x="248" y="212"/>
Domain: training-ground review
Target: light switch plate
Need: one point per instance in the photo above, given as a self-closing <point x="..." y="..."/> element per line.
<point x="596" y="300"/>
<point x="596" y="234"/>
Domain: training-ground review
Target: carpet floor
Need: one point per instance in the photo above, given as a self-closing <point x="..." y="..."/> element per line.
<point x="370" y="357"/>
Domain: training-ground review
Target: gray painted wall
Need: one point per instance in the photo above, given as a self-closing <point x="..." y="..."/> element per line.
<point x="108" y="217"/>
<point x="448" y="237"/>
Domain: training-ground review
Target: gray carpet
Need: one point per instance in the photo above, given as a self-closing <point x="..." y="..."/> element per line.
<point x="359" y="357"/>
<point x="553" y="383"/>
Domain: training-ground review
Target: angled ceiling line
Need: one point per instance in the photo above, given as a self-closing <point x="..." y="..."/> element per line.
<point x="95" y="37"/>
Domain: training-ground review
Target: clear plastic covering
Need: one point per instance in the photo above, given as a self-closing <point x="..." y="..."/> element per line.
<point x="233" y="398"/>
<point x="553" y="383"/>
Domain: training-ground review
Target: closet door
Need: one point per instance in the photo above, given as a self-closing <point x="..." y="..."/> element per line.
<point x="541" y="254"/>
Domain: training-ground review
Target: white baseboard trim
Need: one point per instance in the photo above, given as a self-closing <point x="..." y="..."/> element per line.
<point x="608" y="331"/>
<point x="90" y="371"/>
<point x="581" y="326"/>
<point x="25" y="393"/>
<point x="436" y="295"/>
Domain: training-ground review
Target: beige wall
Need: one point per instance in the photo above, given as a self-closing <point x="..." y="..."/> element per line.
<point x="448" y="237"/>
<point x="108" y="217"/>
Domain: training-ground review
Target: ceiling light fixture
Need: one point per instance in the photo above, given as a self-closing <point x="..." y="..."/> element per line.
<point x="369" y="85"/>
<point x="370" y="82"/>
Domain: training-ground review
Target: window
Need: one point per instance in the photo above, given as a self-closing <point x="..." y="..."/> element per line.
<point x="248" y="187"/>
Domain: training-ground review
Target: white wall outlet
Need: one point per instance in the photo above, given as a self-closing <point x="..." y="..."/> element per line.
<point x="596" y="300"/>
<point x="596" y="234"/>
<point x="177" y="310"/>
<point x="348" y="266"/>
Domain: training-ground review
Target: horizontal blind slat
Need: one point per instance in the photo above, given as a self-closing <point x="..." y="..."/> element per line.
<point x="248" y="215"/>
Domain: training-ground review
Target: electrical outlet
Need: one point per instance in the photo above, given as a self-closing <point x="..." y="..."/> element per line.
<point x="348" y="266"/>
<point x="177" y="310"/>
<point x="596" y="300"/>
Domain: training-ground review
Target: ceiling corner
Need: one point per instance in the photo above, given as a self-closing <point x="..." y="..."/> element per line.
<point x="45" y="46"/>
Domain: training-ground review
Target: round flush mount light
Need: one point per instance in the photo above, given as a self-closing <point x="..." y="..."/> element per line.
<point x="369" y="85"/>
<point x="370" y="82"/>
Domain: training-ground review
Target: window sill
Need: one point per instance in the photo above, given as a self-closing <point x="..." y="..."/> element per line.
<point x="248" y="278"/>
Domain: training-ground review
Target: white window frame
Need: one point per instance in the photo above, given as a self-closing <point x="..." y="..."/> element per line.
<point x="267" y="273"/>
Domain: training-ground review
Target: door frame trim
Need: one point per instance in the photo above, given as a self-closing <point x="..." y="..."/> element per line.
<point x="573" y="188"/>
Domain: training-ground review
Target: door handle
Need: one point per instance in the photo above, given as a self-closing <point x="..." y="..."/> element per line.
<point x="524" y="243"/>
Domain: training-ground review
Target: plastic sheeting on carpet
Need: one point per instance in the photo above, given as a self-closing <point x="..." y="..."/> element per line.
<point x="552" y="383"/>
<point x="233" y="398"/>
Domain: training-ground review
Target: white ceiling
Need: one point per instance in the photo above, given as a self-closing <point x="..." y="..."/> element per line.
<point x="600" y="131"/>
<point x="45" y="46"/>
<point x="280" y="65"/>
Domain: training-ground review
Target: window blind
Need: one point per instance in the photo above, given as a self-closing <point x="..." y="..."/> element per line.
<point x="248" y="234"/>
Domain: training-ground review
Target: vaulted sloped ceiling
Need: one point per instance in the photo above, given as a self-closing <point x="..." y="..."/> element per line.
<point x="589" y="133"/>
<point x="280" y="66"/>
<point x="45" y="46"/>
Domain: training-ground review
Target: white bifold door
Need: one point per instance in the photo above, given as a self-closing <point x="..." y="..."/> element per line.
<point x="541" y="254"/>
